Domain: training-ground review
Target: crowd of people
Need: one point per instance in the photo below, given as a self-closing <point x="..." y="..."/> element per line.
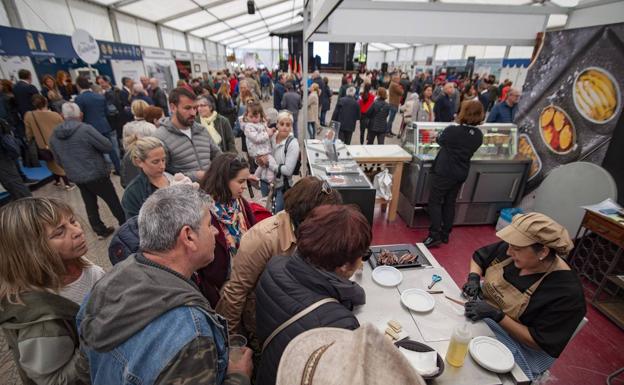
<point x="193" y="252"/>
<point x="425" y="98"/>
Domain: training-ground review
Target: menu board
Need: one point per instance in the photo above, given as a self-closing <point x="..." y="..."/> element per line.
<point x="572" y="98"/>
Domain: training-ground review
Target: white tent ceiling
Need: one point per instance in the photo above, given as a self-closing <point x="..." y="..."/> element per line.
<point x="222" y="21"/>
<point x="391" y="23"/>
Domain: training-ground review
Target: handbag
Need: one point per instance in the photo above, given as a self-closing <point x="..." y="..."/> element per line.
<point x="30" y="157"/>
<point x="294" y="318"/>
<point x="43" y="153"/>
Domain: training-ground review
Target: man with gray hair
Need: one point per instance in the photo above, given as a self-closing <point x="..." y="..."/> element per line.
<point x="147" y="316"/>
<point x="158" y="96"/>
<point x="347" y="112"/>
<point x="505" y="112"/>
<point x="79" y="148"/>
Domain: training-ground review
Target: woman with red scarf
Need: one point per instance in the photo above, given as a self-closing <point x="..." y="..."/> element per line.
<point x="365" y="101"/>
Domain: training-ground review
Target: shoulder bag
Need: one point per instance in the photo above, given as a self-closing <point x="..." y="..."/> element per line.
<point x="43" y="153"/>
<point x="294" y="318"/>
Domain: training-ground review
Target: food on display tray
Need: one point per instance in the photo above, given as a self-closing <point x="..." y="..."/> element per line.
<point x="387" y="257"/>
<point x="596" y="95"/>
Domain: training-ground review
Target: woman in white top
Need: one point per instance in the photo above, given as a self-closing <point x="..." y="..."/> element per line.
<point x="283" y="160"/>
<point x="139" y="126"/>
<point x="44" y="276"/>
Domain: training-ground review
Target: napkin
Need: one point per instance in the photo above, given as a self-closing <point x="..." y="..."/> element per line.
<point x="425" y="363"/>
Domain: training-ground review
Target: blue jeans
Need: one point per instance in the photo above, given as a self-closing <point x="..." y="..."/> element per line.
<point x="114" y="155"/>
<point x="311" y="130"/>
<point x="279" y="196"/>
<point x="391" y="115"/>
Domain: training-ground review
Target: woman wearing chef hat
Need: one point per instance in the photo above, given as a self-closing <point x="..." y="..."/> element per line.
<point x="532" y="300"/>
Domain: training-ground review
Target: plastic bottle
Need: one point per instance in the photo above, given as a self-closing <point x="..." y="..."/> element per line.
<point x="458" y="347"/>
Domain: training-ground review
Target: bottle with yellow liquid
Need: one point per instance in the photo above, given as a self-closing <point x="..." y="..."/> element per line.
<point x="458" y="347"/>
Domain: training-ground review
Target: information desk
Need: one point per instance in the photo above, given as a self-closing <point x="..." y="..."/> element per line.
<point x="433" y="328"/>
<point x="391" y="156"/>
<point x="352" y="183"/>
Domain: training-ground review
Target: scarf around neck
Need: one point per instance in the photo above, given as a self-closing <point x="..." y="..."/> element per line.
<point x="210" y="127"/>
<point x="232" y="220"/>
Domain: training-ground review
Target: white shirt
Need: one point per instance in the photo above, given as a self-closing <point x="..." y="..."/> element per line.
<point x="77" y="290"/>
<point x="187" y="132"/>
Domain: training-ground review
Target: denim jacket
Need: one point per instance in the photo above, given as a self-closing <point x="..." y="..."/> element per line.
<point x="155" y="330"/>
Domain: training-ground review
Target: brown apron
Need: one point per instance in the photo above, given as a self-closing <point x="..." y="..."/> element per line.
<point x="500" y="293"/>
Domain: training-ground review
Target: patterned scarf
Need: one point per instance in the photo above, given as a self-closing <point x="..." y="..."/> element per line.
<point x="232" y="220"/>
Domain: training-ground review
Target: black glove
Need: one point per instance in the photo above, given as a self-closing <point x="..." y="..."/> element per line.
<point x="478" y="310"/>
<point x="472" y="287"/>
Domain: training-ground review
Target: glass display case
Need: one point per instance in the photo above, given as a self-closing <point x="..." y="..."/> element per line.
<point x="499" y="140"/>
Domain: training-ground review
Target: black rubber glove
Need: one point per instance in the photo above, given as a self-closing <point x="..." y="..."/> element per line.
<point x="472" y="287"/>
<point x="478" y="310"/>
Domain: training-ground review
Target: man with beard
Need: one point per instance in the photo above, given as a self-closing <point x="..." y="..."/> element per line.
<point x="188" y="146"/>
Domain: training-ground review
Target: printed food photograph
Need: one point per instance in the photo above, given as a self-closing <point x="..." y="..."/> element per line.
<point x="557" y="130"/>
<point x="596" y="95"/>
<point x="525" y="147"/>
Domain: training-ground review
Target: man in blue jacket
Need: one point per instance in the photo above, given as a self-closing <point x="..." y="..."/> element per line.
<point x="23" y="91"/>
<point x="278" y="92"/>
<point x="146" y="322"/>
<point x="505" y="112"/>
<point x="95" y="110"/>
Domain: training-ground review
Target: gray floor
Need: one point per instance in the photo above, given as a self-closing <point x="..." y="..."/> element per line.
<point x="98" y="249"/>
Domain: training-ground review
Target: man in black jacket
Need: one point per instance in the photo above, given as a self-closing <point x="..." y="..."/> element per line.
<point x="347" y="112"/>
<point x="23" y="91"/>
<point x="444" y="109"/>
<point x="158" y="96"/>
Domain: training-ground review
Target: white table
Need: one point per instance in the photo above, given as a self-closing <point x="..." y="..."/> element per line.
<point x="391" y="155"/>
<point x="433" y="328"/>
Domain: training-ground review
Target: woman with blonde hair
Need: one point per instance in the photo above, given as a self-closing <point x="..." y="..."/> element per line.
<point x="225" y="103"/>
<point x="44" y="276"/>
<point x="139" y="125"/>
<point x="282" y="161"/>
<point x="148" y="155"/>
<point x="313" y="110"/>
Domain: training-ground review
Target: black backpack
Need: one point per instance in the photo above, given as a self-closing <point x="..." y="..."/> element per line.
<point x="297" y="169"/>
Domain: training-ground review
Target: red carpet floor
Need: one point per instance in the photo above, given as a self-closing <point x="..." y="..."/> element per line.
<point x="591" y="356"/>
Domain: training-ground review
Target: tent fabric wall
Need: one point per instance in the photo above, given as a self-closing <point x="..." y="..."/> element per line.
<point x="173" y="39"/>
<point x="195" y="44"/>
<point x="374" y="59"/>
<point x="4" y="18"/>
<point x="55" y="17"/>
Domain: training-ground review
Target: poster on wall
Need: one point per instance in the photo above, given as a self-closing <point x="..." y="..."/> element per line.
<point x="127" y="69"/>
<point x="10" y="65"/>
<point x="573" y="99"/>
<point x="163" y="70"/>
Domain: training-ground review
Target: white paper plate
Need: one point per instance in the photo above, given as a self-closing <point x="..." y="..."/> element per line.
<point x="417" y="300"/>
<point x="387" y="276"/>
<point x="491" y="354"/>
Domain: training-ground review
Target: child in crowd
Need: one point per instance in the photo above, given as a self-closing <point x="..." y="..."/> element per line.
<point x="258" y="137"/>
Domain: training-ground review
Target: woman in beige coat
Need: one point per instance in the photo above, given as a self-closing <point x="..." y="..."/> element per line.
<point x="313" y="110"/>
<point x="270" y="237"/>
<point x="39" y="124"/>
